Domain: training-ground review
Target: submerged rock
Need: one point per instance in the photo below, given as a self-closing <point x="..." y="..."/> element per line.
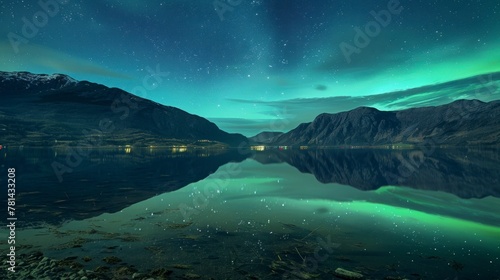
<point x="111" y="260"/>
<point x="138" y="275"/>
<point x="191" y="276"/>
<point x="161" y="272"/>
<point x="181" y="266"/>
<point x="349" y="275"/>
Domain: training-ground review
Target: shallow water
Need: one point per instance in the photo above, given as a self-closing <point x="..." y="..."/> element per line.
<point x="267" y="215"/>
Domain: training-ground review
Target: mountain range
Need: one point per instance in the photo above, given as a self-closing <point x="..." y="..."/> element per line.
<point x="265" y="137"/>
<point x="460" y="123"/>
<point x="39" y="109"/>
<point x="52" y="110"/>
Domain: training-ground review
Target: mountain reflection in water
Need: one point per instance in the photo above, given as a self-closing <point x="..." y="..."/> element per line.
<point x="464" y="173"/>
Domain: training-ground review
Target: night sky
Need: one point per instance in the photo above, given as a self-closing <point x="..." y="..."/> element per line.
<point x="251" y="66"/>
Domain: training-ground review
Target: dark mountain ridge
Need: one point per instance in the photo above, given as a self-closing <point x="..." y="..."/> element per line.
<point x="45" y="109"/>
<point x="463" y="122"/>
<point x="264" y="137"/>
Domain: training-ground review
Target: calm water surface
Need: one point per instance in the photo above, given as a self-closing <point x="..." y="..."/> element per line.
<point x="263" y="215"/>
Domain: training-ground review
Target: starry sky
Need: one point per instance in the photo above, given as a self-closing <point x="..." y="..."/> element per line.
<point x="256" y="65"/>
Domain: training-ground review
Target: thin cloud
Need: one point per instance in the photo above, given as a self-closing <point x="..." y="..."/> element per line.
<point x="52" y="60"/>
<point x="299" y="110"/>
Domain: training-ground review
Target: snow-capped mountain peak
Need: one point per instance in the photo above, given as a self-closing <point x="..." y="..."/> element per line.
<point x="56" y="81"/>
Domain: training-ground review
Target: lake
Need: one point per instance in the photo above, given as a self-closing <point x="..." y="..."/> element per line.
<point x="139" y="213"/>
